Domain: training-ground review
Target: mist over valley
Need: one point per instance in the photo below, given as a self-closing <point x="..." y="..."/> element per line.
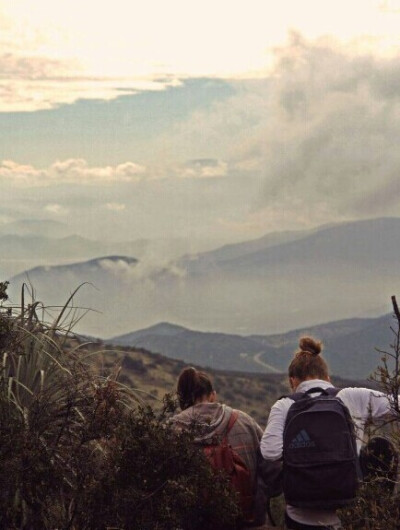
<point x="241" y="297"/>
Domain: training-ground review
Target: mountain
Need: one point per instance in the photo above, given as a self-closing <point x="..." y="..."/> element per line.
<point x="236" y="250"/>
<point x="217" y="350"/>
<point x="261" y="287"/>
<point x="23" y="251"/>
<point x="334" y="272"/>
<point x="29" y="246"/>
<point x="349" y="346"/>
<point x="36" y="228"/>
<point x="104" y="288"/>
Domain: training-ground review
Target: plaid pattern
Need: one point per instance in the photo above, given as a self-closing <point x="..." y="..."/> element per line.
<point x="213" y="419"/>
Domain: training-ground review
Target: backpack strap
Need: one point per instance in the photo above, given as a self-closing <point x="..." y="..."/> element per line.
<point x="234" y="416"/>
<point x="333" y="391"/>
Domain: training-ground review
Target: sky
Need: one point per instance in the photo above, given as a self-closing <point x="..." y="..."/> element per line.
<point x="212" y="120"/>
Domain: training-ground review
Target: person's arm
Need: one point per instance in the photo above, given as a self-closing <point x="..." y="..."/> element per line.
<point x="271" y="445"/>
<point x="365" y="403"/>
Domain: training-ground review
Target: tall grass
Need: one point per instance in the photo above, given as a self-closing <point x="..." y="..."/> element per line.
<point x="80" y="451"/>
<point x="56" y="415"/>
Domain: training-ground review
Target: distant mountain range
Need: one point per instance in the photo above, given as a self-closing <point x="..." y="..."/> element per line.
<point x="349" y="346"/>
<point x="27" y="244"/>
<point x="73" y="246"/>
<point x="35" y="228"/>
<point x="281" y="281"/>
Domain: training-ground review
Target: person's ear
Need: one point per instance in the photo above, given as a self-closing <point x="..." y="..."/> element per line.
<point x="294" y="382"/>
<point x="213" y="397"/>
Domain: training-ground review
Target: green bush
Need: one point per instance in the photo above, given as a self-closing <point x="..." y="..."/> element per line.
<point x="375" y="508"/>
<point x="79" y="451"/>
<point x="156" y="479"/>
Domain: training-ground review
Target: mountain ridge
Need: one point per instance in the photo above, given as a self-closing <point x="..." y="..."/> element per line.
<point x="268" y="353"/>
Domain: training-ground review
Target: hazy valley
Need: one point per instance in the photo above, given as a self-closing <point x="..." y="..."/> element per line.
<point x="242" y="298"/>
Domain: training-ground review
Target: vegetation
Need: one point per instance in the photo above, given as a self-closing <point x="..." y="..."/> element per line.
<point x="377" y="507"/>
<point x="78" y="450"/>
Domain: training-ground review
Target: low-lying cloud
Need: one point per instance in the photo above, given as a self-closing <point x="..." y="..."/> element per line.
<point x="71" y="171"/>
<point x="202" y="168"/>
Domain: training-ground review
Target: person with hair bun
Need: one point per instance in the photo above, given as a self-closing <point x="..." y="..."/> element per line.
<point x="308" y="374"/>
<point x="198" y="401"/>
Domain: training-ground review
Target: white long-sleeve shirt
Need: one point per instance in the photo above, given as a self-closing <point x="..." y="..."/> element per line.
<point x="363" y="404"/>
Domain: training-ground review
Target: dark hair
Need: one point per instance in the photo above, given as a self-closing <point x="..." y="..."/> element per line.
<point x="192" y="385"/>
<point x="308" y="363"/>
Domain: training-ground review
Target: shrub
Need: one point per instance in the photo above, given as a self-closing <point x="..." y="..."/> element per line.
<point x="157" y="479"/>
<point x="376" y="508"/>
<point x="79" y="451"/>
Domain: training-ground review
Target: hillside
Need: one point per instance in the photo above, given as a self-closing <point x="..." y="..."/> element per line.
<point x="349" y="346"/>
<point x="154" y="375"/>
<point x="216" y="350"/>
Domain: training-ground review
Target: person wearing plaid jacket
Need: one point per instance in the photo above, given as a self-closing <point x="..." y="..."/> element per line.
<point x="198" y="401"/>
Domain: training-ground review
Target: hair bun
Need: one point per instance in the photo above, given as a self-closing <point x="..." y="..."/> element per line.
<point x="310" y="345"/>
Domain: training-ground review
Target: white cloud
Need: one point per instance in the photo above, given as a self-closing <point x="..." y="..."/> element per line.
<point x="18" y="95"/>
<point x="71" y="171"/>
<point x="21" y="174"/>
<point x="115" y="206"/>
<point x="316" y="142"/>
<point x="202" y="168"/>
<point x="56" y="208"/>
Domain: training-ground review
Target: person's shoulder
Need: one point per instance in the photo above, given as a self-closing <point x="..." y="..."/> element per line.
<point x="358" y="398"/>
<point x="283" y="403"/>
<point x="243" y="415"/>
<point x="353" y="391"/>
<point x="245" y="418"/>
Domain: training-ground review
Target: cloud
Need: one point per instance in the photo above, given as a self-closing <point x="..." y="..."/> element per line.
<point x="315" y="142"/>
<point x="20" y="174"/>
<point x="53" y="56"/>
<point x="115" y="206"/>
<point x="70" y="171"/>
<point x="333" y="124"/>
<point x="202" y="168"/>
<point x="146" y="271"/>
<point x="19" y="95"/>
<point x="56" y="208"/>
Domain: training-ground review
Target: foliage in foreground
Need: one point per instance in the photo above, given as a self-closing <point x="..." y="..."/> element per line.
<point x="376" y="507"/>
<point x="78" y="451"/>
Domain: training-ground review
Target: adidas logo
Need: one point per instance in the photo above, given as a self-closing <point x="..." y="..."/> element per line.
<point x="301" y="440"/>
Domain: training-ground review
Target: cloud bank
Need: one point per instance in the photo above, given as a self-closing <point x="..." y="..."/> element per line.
<point x="72" y="171"/>
<point x="316" y="142"/>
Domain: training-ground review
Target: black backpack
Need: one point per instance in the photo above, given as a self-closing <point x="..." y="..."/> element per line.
<point x="320" y="463"/>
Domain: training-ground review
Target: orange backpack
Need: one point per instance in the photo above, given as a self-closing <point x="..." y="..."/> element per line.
<point x="224" y="458"/>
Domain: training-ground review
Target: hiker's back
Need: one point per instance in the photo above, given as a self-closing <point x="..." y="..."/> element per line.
<point x="320" y="466"/>
<point x="315" y="438"/>
<point x="231" y="451"/>
<point x="216" y="423"/>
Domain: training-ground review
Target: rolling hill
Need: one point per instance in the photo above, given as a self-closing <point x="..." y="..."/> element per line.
<point x="156" y="375"/>
<point x="349" y="346"/>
